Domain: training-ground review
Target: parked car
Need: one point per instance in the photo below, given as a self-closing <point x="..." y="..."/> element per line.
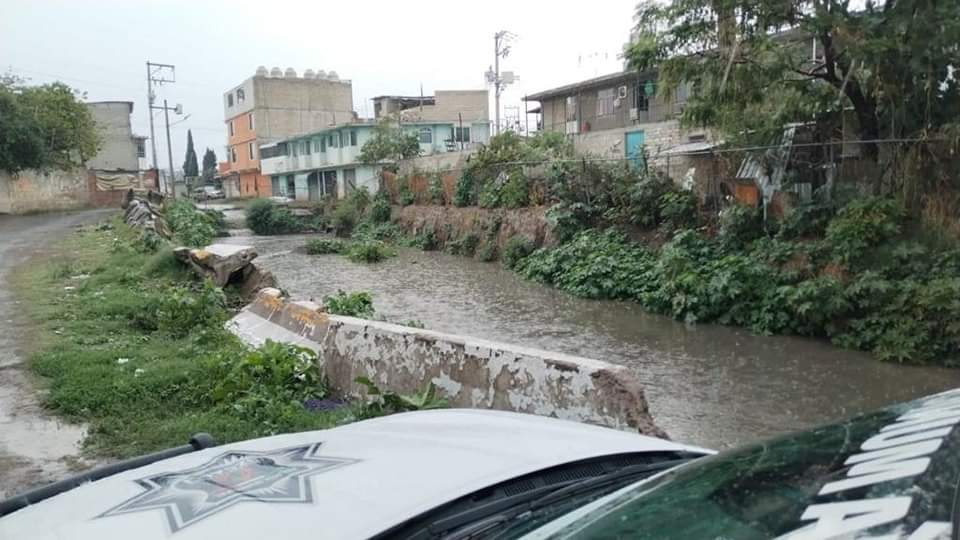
<point x="458" y="474"/>
<point x="204" y="193"/>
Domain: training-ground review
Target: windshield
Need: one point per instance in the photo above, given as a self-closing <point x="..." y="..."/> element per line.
<point x="903" y="477"/>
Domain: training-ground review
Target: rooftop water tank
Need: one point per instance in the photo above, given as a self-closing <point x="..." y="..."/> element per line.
<point x="262" y="71"/>
<point x="332" y="76"/>
<point x="290" y="73"/>
<point x="276" y="72"/>
<point x="309" y="74"/>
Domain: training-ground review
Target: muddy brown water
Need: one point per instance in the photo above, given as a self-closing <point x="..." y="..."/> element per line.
<point x="709" y="385"/>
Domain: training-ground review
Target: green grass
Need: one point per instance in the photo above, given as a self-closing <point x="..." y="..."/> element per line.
<point x="113" y="352"/>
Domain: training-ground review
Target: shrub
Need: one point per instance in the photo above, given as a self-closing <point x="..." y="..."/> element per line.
<point x="488" y="252"/>
<point x="426" y="239"/>
<point x="182" y="310"/>
<point x="435" y="189"/>
<point x="368" y="230"/>
<point x="861" y="225"/>
<point x="646" y="200"/>
<point x="466" y="245"/>
<point x="380" y="209"/>
<point x="324" y="246"/>
<point x="405" y="194"/>
<point x="266" y="217"/>
<point x="345" y="217"/>
<point x="739" y="225"/>
<point x="678" y="209"/>
<point x="515" y="250"/>
<point x="380" y="402"/>
<point x="357" y="304"/>
<point x="269" y="383"/>
<point x="190" y="226"/>
<point x="465" y="192"/>
<point x="368" y="251"/>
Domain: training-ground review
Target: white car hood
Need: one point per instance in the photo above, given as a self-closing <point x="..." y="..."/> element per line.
<point x="353" y="481"/>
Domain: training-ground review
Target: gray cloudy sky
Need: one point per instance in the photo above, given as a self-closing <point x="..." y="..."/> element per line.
<point x="384" y="47"/>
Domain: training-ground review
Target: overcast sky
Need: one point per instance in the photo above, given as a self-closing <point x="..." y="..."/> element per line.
<point x="384" y="47"/>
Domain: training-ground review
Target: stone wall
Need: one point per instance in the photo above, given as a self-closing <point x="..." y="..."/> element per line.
<point x="469" y="372"/>
<point x="43" y="191"/>
<point x="452" y="223"/>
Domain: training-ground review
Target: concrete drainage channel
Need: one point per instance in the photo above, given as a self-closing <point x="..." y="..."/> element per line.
<point x="470" y="372"/>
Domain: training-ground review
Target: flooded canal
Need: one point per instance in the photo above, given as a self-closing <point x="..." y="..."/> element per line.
<point x="709" y="385"/>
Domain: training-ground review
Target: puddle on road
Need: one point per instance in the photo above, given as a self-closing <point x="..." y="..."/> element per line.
<point x="709" y="385"/>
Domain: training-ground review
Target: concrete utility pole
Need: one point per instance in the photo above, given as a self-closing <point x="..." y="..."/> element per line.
<point x="494" y="77"/>
<point x="159" y="74"/>
<point x="166" y="120"/>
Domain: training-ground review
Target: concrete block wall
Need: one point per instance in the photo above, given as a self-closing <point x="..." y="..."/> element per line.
<point x="469" y="372"/>
<point x="43" y="191"/>
<point x="658" y="137"/>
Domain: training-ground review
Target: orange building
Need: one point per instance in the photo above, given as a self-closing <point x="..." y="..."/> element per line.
<point x="271" y="106"/>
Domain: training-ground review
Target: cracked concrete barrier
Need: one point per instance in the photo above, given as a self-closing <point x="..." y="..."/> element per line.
<point x="471" y="372"/>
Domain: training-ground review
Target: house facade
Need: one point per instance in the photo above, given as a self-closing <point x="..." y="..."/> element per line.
<point x="273" y="105"/>
<point x="617" y="115"/>
<point x="120" y="149"/>
<point x="325" y="162"/>
<point x="449" y="120"/>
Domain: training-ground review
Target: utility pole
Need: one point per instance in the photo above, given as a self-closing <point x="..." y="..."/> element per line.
<point x="156" y="74"/>
<point x="166" y="120"/>
<point x="499" y="82"/>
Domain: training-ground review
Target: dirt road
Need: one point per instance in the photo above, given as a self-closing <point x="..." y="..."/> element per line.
<point x="34" y="448"/>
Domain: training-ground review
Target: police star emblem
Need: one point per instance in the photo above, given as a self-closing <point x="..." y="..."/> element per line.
<point x="188" y="496"/>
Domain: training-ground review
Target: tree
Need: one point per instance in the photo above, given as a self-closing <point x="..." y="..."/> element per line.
<point x="190" y="168"/>
<point x="755" y="65"/>
<point x="389" y="143"/>
<point x="209" y="165"/>
<point x="44" y="126"/>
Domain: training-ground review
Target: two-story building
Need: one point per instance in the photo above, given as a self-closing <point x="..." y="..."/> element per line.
<point x="326" y="162"/>
<point x="273" y="105"/>
<point x="617" y="115"/>
<point x="449" y="120"/>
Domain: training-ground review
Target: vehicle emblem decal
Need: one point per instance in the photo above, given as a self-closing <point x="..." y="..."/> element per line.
<point x="278" y="476"/>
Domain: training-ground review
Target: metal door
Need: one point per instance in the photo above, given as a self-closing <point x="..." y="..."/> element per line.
<point x="633" y="148"/>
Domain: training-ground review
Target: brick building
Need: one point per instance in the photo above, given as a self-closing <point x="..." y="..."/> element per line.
<point x="273" y="105"/>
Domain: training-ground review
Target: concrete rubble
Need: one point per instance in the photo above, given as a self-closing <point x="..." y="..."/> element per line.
<point x="468" y="372"/>
<point x="227" y="264"/>
<point x="144" y="212"/>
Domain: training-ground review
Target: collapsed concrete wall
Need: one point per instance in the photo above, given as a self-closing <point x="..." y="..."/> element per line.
<point x="470" y="372"/>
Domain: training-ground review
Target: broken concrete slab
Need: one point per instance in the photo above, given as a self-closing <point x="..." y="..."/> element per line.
<point x="228" y="263"/>
<point x="470" y="372"/>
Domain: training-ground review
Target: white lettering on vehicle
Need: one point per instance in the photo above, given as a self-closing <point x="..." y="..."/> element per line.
<point x="899" y="450"/>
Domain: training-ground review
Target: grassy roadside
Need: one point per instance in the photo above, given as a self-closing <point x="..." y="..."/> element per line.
<point x="132" y="344"/>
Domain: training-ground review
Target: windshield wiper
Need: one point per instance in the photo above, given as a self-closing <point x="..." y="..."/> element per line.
<point x="474" y="523"/>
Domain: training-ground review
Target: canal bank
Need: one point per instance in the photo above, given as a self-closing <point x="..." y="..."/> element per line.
<point x="708" y="385"/>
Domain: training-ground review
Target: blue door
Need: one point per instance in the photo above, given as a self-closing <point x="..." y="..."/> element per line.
<point x="633" y="148"/>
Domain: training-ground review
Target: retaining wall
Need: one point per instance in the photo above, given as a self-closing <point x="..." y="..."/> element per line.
<point x="470" y="372"/>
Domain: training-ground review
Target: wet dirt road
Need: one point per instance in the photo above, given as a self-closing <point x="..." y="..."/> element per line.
<point x="34" y="448"/>
<point x="710" y="385"/>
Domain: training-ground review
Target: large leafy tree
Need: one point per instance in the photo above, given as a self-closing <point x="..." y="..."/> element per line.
<point x="44" y="126"/>
<point x="190" y="168"/>
<point x="754" y="65"/>
<point x="389" y="143"/>
<point x="209" y="165"/>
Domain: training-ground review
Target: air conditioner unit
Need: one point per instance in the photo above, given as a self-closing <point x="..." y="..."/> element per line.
<point x="634" y="113"/>
<point x="622" y="92"/>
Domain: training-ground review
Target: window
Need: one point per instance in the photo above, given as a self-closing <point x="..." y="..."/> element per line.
<point x="250" y="121"/>
<point x="426" y="136"/>
<point x="323" y="144"/>
<point x="571" y="108"/>
<point x="230" y="127"/>
<point x="330" y="141"/>
<point x="230" y="99"/>
<point x="461" y="134"/>
<point x="233" y="155"/>
<point x="141" y="148"/>
<point x="339" y="139"/>
<point x="605" y="102"/>
<point x="250" y="151"/>
<point x="305" y="147"/>
<point x="296" y="148"/>
<point x="316" y="146"/>
<point x="641" y="101"/>
<point x="353" y="137"/>
<point x="240" y="96"/>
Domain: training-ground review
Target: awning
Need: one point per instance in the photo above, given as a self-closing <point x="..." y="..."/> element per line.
<point x="699" y="147"/>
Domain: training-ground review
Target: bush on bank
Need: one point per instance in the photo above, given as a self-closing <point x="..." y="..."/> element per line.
<point x="266" y="217"/>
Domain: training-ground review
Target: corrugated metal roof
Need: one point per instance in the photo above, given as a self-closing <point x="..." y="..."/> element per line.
<point x="691" y="148"/>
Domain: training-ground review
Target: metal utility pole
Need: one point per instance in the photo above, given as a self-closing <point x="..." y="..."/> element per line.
<point x="499" y="82"/>
<point x="159" y="74"/>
